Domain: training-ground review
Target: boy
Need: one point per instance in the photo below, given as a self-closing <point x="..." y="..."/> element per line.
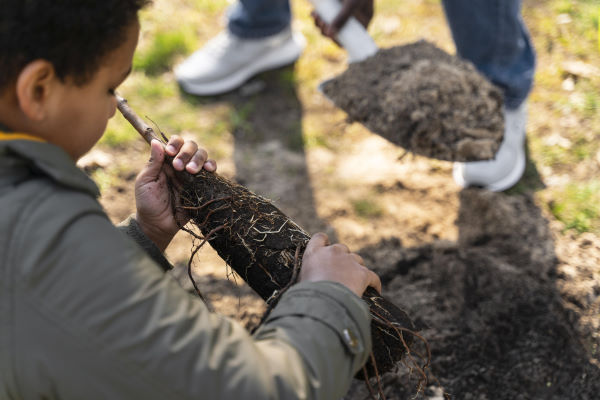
<point x="85" y="312"/>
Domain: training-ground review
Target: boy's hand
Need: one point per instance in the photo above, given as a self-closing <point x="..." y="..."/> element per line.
<point x="152" y="197"/>
<point x="324" y="262"/>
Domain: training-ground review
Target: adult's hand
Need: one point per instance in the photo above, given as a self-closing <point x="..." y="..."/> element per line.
<point x="362" y="10"/>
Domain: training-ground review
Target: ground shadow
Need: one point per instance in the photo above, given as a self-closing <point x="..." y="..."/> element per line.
<point x="490" y="307"/>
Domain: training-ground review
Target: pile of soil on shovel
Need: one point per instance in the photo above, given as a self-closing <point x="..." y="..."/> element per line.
<point x="506" y="315"/>
<point x="423" y="99"/>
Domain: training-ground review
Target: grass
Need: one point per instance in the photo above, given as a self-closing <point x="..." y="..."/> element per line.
<point x="366" y="208"/>
<point x="566" y="122"/>
<point x="105" y="178"/>
<point x="577" y="206"/>
<point x="238" y="118"/>
<point x="564" y="125"/>
<point x="118" y="133"/>
<point x="165" y="46"/>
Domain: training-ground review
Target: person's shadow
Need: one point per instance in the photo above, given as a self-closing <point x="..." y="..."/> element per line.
<point x="270" y="160"/>
<point x="493" y="305"/>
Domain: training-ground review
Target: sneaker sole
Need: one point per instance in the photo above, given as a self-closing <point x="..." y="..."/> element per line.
<point x="499" y="186"/>
<point x="275" y="59"/>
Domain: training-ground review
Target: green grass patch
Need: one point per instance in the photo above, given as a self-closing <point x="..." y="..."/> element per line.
<point x="577" y="205"/>
<point x="287" y="77"/>
<point x="118" y="132"/>
<point x="238" y="117"/>
<point x="158" y="56"/>
<point x="583" y="30"/>
<point x="150" y="88"/>
<point x="208" y="6"/>
<point x="367" y="208"/>
<point x="294" y="139"/>
<point x="104" y="179"/>
<point x="316" y="138"/>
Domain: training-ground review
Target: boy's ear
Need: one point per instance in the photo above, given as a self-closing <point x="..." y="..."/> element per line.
<point x="33" y="88"/>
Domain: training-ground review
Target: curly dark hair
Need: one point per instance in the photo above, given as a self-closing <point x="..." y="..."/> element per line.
<point x="74" y="35"/>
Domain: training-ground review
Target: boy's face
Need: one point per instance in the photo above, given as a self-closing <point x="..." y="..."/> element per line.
<point x="82" y="112"/>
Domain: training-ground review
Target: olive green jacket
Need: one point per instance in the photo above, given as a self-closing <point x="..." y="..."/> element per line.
<point x="88" y="313"/>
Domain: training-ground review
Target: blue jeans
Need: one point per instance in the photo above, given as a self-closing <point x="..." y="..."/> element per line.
<point x="492" y="35"/>
<point x="259" y="18"/>
<point x="489" y="33"/>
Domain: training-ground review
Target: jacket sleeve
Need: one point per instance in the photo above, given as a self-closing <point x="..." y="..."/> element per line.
<point x="131" y="228"/>
<point x="95" y="318"/>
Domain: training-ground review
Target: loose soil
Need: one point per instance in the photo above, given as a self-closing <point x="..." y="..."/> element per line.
<point x="509" y="304"/>
<point x="505" y="316"/>
<point x="421" y="98"/>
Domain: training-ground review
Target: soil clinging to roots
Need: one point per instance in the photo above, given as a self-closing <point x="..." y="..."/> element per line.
<point x="264" y="247"/>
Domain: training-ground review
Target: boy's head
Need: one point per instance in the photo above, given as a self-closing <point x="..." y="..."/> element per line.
<point x="60" y="62"/>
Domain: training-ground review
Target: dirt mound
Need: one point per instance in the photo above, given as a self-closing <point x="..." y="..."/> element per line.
<point x="423" y="99"/>
<point x="492" y="308"/>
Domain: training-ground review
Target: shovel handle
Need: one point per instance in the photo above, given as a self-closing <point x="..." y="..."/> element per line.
<point x="353" y="36"/>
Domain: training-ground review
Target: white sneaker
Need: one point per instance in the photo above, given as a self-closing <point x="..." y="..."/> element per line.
<point x="227" y="61"/>
<point x="507" y="167"/>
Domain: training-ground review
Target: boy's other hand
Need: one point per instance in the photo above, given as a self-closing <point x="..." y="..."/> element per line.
<point x="186" y="155"/>
<point x="152" y="197"/>
<point x="325" y="262"/>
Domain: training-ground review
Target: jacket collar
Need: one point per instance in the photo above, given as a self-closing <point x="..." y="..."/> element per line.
<point x="50" y="160"/>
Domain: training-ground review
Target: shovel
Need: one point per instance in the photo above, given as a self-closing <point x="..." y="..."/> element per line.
<point x="353" y="37"/>
<point x="416" y="96"/>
